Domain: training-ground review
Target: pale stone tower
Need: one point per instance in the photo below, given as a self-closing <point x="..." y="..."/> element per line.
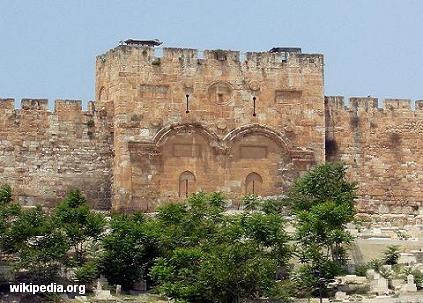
<point x="216" y="120"/>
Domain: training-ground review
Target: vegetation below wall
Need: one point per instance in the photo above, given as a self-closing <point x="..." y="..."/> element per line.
<point x="193" y="251"/>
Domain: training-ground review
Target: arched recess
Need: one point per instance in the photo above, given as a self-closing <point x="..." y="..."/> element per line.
<point x="187" y="147"/>
<point x="262" y="150"/>
<point x="186" y="184"/>
<point x="253" y="184"/>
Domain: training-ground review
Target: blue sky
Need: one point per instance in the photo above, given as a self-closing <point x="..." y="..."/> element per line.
<point x="371" y="47"/>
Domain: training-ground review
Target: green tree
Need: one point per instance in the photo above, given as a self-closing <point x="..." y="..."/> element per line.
<point x="323" y="202"/>
<point x="216" y="257"/>
<point x="129" y="249"/>
<point x="40" y="246"/>
<point x="391" y="254"/>
<point x="188" y="224"/>
<point x="80" y="225"/>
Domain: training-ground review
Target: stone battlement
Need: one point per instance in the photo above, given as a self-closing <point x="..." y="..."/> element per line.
<point x="372" y="104"/>
<point x="45" y="153"/>
<point x="192" y="57"/>
<point x="42" y="104"/>
<point x="159" y="128"/>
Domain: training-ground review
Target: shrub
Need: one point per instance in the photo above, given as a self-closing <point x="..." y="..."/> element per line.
<point x="274" y="206"/>
<point x="129" y="250"/>
<point x="391" y="254"/>
<point x="87" y="273"/>
<point x="250" y="202"/>
<point x="5" y="194"/>
<point x="361" y="269"/>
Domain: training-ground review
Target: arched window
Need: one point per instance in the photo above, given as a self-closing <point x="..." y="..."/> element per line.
<point x="186" y="184"/>
<point x="253" y="184"/>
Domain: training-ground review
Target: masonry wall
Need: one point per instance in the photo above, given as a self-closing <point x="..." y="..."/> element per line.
<point x="44" y="154"/>
<point x="137" y="146"/>
<point x="383" y="149"/>
<point x="219" y="141"/>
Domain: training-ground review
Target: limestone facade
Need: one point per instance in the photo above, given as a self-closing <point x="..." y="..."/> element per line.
<point x="173" y="121"/>
<point x="382" y="148"/>
<point x="43" y="154"/>
<point x="184" y="123"/>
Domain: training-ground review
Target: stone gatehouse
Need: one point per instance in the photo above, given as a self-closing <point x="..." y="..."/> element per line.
<point x="169" y="122"/>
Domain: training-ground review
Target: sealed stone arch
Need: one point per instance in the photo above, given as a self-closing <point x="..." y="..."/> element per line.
<point x="192" y="149"/>
<point x="256" y="156"/>
<point x="253" y="184"/>
<point x="186" y="184"/>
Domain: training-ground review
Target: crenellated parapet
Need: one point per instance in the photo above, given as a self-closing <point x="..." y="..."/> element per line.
<point x="44" y="153"/>
<point x="73" y="107"/>
<point x="34" y="115"/>
<point x="369" y="104"/>
<point x="187" y="57"/>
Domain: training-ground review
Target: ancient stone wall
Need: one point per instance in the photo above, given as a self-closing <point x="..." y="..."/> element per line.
<point x="170" y="122"/>
<point x="44" y="154"/>
<point x="383" y="149"/>
<point x="164" y="149"/>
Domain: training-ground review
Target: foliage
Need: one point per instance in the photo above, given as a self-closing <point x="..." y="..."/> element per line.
<point x="387" y="273"/>
<point x="250" y="202"/>
<point x="274" y="206"/>
<point x="211" y="257"/>
<point x="5" y="194"/>
<point x="87" y="273"/>
<point x="8" y="214"/>
<point x="78" y="223"/>
<point x="323" y="183"/>
<point x="392" y="254"/>
<point x="402" y="235"/>
<point x="129" y="249"/>
<point x="323" y="202"/>
<point x="361" y="269"/>
<point x="418" y="275"/>
<point x="375" y="264"/>
<point x="40" y="245"/>
<point x="42" y="242"/>
<point x="33" y="237"/>
<point x="307" y="277"/>
<point x="217" y="200"/>
<point x="188" y="224"/>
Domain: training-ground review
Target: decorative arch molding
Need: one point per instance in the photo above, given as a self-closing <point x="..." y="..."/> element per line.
<point x="167" y="132"/>
<point x="222" y="144"/>
<point x="252" y="129"/>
